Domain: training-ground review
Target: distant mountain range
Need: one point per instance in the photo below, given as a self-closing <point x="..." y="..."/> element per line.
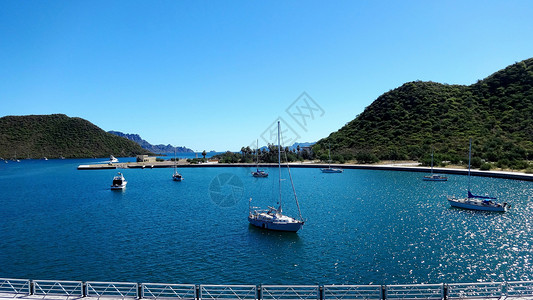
<point x="152" y="148"/>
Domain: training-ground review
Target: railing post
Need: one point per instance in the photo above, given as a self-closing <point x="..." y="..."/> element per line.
<point x="259" y="292"/>
<point x="197" y="292"/>
<point x="84" y="289"/>
<point x="140" y="291"/>
<point x="383" y="292"/>
<point x="32" y="287"/>
<point x="444" y="291"/>
<point x="321" y="292"/>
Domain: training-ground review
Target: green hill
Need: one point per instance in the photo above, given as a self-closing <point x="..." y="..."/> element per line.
<point x="405" y="123"/>
<point x="58" y="135"/>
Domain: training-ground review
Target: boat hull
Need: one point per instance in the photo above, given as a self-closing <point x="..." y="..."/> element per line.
<point x="331" y="170"/>
<point x="259" y="175"/>
<point x="435" y="179"/>
<point x="472" y="204"/>
<point x="118" y="187"/>
<point x="277" y="226"/>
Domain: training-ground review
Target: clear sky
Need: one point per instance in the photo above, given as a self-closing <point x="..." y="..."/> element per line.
<point x="215" y="75"/>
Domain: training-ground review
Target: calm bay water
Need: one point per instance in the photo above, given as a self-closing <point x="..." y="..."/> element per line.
<point x="363" y="227"/>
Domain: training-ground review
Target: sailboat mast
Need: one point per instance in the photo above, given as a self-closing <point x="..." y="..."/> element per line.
<point x="432" y="150"/>
<point x="279" y="167"/>
<point x="469" y="158"/>
<point x="329" y="155"/>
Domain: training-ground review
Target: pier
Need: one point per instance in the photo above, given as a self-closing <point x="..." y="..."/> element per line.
<point x="60" y="290"/>
<point x="384" y="167"/>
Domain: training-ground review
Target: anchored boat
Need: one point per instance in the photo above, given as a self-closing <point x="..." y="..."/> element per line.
<point x="258" y="172"/>
<point x="176" y="176"/>
<point x="434" y="177"/>
<point x="475" y="202"/>
<point x="273" y="218"/>
<point x="329" y="169"/>
<point x="119" y="182"/>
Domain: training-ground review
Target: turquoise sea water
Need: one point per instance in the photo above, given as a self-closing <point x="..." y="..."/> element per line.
<point x="362" y="227"/>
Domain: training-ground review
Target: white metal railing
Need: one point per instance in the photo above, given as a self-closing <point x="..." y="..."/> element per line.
<point x="112" y="289"/>
<point x="60" y="288"/>
<point x="165" y="291"/>
<point x="228" y="292"/>
<point x="56" y="288"/>
<point x="349" y="292"/>
<point x="519" y="288"/>
<point x="14" y="286"/>
<point x="475" y="290"/>
<point x="290" y="292"/>
<point x="415" y="291"/>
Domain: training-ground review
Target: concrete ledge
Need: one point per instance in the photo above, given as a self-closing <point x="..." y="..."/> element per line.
<point x="403" y="168"/>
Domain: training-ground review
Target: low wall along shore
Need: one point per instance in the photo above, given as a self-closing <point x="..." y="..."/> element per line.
<point x="390" y="167"/>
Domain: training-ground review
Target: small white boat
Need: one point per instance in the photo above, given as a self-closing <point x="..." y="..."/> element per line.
<point x="258" y="172"/>
<point x="329" y="169"/>
<point x="113" y="159"/>
<point x="119" y="182"/>
<point x="273" y="218"/>
<point x="176" y="176"/>
<point x="434" y="177"/>
<point x="478" y="203"/>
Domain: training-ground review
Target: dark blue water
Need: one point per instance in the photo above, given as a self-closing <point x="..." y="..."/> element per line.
<point x="363" y="227"/>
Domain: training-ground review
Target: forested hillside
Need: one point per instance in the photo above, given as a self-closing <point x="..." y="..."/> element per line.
<point x="52" y="136"/>
<point x="405" y="123"/>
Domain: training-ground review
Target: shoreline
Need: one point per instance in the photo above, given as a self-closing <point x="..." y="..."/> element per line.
<point x="403" y="167"/>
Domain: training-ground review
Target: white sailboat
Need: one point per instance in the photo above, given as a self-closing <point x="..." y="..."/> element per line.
<point x="176" y="176"/>
<point x="475" y="202"/>
<point x="434" y="177"/>
<point x="258" y="173"/>
<point x="329" y="169"/>
<point x="273" y="218"/>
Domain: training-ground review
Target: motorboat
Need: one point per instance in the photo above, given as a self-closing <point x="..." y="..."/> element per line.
<point x="119" y="182"/>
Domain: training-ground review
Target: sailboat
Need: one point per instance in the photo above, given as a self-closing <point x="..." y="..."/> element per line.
<point x="258" y="172"/>
<point x="176" y="176"/>
<point x="329" y="169"/>
<point x="434" y="177"/>
<point x="273" y="218"/>
<point x="475" y="202"/>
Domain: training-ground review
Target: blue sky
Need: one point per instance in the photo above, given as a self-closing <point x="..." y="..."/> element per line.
<point x="215" y="75"/>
